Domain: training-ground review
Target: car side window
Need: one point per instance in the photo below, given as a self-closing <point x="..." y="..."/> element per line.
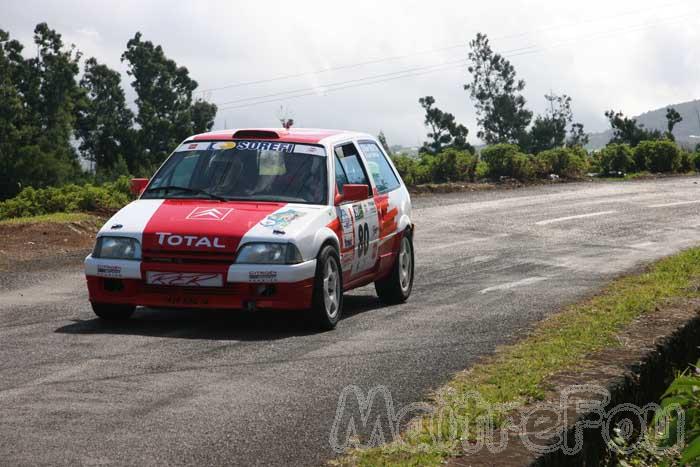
<point x="340" y="177"/>
<point x="350" y="160"/>
<point x="379" y="168"/>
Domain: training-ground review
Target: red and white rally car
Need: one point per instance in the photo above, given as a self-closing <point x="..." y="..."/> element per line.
<point x="259" y="218"/>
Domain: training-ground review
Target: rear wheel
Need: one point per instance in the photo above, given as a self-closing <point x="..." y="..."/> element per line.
<point x="327" y="303"/>
<point x="397" y="286"/>
<point x="112" y="312"/>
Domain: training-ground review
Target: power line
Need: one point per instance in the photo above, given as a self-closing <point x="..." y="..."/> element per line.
<point x="314" y="93"/>
<point x="428" y="51"/>
<point x="367" y="78"/>
<point x="338" y="88"/>
<point x="419" y="71"/>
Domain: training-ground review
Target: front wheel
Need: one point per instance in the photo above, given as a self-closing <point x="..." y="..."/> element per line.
<point x="327" y="303"/>
<point x="397" y="286"/>
<point x="113" y="312"/>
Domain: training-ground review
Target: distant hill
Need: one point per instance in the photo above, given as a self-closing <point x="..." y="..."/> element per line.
<point x="656" y="119"/>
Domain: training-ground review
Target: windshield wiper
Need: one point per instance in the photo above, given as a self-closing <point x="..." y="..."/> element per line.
<point x="188" y="190"/>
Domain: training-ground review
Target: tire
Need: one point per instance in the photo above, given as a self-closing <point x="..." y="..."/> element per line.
<point x="396" y="287"/>
<point x="327" y="301"/>
<point x="113" y="312"/>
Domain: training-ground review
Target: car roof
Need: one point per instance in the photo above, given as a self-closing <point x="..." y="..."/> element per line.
<point x="292" y="135"/>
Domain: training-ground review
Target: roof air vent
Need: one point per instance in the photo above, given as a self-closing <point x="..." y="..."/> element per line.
<point x="256" y="134"/>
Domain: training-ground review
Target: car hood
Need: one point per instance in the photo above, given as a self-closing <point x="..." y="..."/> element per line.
<point x="203" y="226"/>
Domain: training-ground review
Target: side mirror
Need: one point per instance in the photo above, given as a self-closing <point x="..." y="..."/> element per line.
<point x="352" y="193"/>
<point x="138" y="185"/>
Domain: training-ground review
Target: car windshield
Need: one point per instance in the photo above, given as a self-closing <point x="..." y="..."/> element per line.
<point x="243" y="170"/>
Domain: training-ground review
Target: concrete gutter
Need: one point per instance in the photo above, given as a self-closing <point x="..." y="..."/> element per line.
<point x="652" y="350"/>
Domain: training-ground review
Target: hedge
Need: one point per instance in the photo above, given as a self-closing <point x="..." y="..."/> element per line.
<point x="68" y="198"/>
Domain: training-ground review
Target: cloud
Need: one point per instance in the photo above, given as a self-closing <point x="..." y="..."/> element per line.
<point x="631" y="56"/>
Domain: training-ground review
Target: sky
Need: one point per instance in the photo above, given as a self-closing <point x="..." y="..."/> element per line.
<point x="362" y="65"/>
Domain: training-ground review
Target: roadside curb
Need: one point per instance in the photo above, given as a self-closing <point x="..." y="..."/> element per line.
<point x="638" y="372"/>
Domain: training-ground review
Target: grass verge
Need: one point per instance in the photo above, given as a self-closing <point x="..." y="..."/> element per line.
<point x="517" y="374"/>
<point x="56" y="218"/>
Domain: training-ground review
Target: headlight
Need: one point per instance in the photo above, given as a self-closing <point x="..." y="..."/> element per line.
<point x="268" y="253"/>
<point x="117" y="248"/>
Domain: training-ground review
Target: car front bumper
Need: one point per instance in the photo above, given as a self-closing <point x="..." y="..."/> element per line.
<point x="283" y="287"/>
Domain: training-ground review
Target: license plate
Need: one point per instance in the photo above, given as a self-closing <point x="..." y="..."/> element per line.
<point x="185" y="279"/>
<point x="187" y="300"/>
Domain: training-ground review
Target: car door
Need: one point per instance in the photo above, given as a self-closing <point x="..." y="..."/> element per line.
<point x="359" y="220"/>
<point x="387" y="198"/>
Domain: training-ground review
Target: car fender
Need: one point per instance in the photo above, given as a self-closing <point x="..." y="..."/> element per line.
<point x="322" y="236"/>
<point x="405" y="223"/>
<point x="406" y="210"/>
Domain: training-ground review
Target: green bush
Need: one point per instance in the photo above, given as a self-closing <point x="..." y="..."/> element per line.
<point x="616" y="158"/>
<point x="452" y="165"/>
<point x="68" y="198"/>
<point x="406" y="166"/>
<point x="671" y="440"/>
<point x="564" y="162"/>
<point x="482" y="170"/>
<point x="687" y="162"/>
<point x="657" y="156"/>
<point x="506" y="160"/>
<point x="696" y="161"/>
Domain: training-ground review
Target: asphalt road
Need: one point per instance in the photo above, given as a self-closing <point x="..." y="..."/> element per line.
<point x="184" y="387"/>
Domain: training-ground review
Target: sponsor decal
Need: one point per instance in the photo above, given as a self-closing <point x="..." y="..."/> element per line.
<point x="109" y="270"/>
<point x="359" y="212"/>
<point x="165" y="238"/>
<point x="282" y="219"/>
<point x="185" y="279"/>
<point x="313" y="150"/>
<point x="209" y="214"/>
<point x="346" y="223"/>
<point x="345" y="220"/>
<point x="193" y="147"/>
<point x="226" y="145"/>
<point x="262" y="276"/>
<point x="265" y="146"/>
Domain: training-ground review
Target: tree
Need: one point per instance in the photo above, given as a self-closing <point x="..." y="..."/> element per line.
<point x="166" y="114"/>
<point x="626" y="130"/>
<point x="496" y="92"/>
<point x="673" y="118"/>
<point x="42" y="93"/>
<point x="577" y="136"/>
<point x="104" y="121"/>
<point x="12" y="114"/>
<point x="444" y="130"/>
<point x="549" y="131"/>
<point x="382" y="140"/>
<point x="203" y="115"/>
